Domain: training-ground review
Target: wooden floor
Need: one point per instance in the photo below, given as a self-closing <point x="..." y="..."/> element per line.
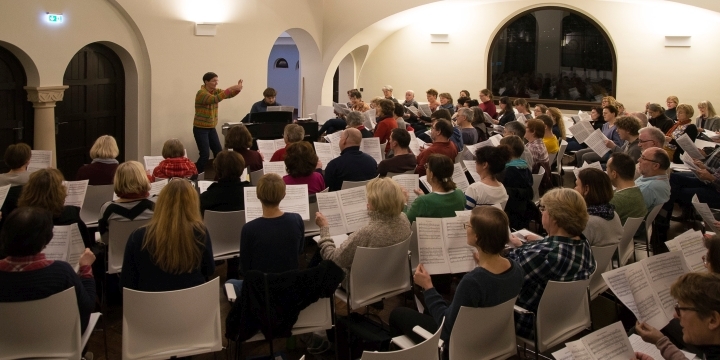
<point x="603" y="313"/>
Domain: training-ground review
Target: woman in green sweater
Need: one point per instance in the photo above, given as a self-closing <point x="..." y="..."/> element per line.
<point x="444" y="199"/>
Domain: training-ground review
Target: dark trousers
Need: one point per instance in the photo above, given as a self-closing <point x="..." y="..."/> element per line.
<point x="685" y="185"/>
<point x="206" y="140"/>
<point x="403" y="320"/>
<point x="332" y="126"/>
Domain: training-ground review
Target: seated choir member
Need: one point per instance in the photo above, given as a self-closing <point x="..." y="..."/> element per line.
<point x="291" y="134"/>
<point x="468" y="131"/>
<point x="102" y="168"/>
<point x="132" y="187"/>
<point x="517" y="128"/>
<point x="26" y="275"/>
<point x="174" y="250"/>
<point x="17" y="158"/>
<point x="628" y="128"/>
<point x="227" y="194"/>
<point x="239" y="140"/>
<point x="444" y="197"/>
<point x="403" y="159"/>
<point x="386" y="122"/>
<point x="482" y="127"/>
<point x="653" y="181"/>
<point x="388" y="225"/>
<point x="355" y="120"/>
<point x="490" y="161"/>
<point x="506" y="113"/>
<point x="603" y="227"/>
<point x="518" y="181"/>
<point x="352" y="164"/>
<point x="535" y="133"/>
<point x="558" y="128"/>
<point x="494" y="281"/>
<point x="440" y="133"/>
<point x="564" y="255"/>
<point x="683" y="126"/>
<point x="628" y="199"/>
<point x="301" y="163"/>
<point x="609" y="129"/>
<point x="45" y="190"/>
<point x="175" y="163"/>
<point x="698" y="313"/>
<point x="549" y="139"/>
<point x="658" y="118"/>
<point x="271" y="243"/>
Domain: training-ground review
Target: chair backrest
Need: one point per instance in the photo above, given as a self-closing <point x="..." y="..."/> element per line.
<point x="602" y="255"/>
<point x="489" y="332"/>
<point x="39" y="329"/>
<point x="95" y="197"/>
<point x="118" y="234"/>
<point x="413" y="247"/>
<point x="650" y="218"/>
<point x="225" y="228"/>
<point x="369" y="282"/>
<point x="564" y="311"/>
<point x="552" y="157"/>
<point x="559" y="157"/>
<point x="627" y="246"/>
<point x="353" y="184"/>
<point x="426" y="350"/>
<point x="171" y="323"/>
<point x="391" y="174"/>
<point x="255" y="176"/>
<point x="383" y="146"/>
<point x="201" y="176"/>
<point x="311" y="228"/>
<point x="537" y="179"/>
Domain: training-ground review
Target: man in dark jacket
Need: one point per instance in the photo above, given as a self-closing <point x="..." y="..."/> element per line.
<point x="352" y="164"/>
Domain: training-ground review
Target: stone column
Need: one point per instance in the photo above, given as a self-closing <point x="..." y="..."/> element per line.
<point x="44" y="99"/>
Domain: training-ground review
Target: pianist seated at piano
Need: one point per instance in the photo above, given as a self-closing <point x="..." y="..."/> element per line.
<point x="268" y="100"/>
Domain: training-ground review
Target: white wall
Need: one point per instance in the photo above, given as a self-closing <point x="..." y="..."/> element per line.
<point x="647" y="70"/>
<point x="347" y="77"/>
<point x="284" y="81"/>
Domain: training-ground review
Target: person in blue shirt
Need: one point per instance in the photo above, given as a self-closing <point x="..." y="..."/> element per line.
<point x="268" y="100"/>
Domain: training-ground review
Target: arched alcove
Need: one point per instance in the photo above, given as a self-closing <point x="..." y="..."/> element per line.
<point x="16" y="112"/>
<point x="553" y="55"/>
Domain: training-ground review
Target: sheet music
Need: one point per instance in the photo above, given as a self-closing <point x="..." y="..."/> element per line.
<point x="585" y="116"/>
<point x="425" y="109"/>
<point x="563" y="354"/>
<point x="431" y="250"/>
<point x="203" y="185"/>
<point x="460" y="254"/>
<point x="66" y="245"/>
<point x="594" y="165"/>
<point x="3" y="194"/>
<point x="75" y="192"/>
<point x="639" y="345"/>
<point x="340" y="109"/>
<point x="687" y="144"/>
<point x="459" y="178"/>
<point x="423" y="180"/>
<point x="157" y="186"/>
<point x="692" y="246"/>
<point x="267" y="148"/>
<point x="409" y="182"/>
<point x="354" y="207"/>
<point x="471" y="169"/>
<point x="688" y="162"/>
<point x="617" y="281"/>
<point x="324" y="152"/>
<point x="334" y="138"/>
<point x="415" y="145"/>
<point x="609" y="343"/>
<point x="274" y="167"/>
<point x="40" y="159"/>
<point x="371" y="146"/>
<point x="329" y="206"/>
<point x="281" y="108"/>
<point x="337" y="239"/>
<point x="245" y="176"/>
<point x="369" y="122"/>
<point x="495" y="139"/>
<point x="253" y="206"/>
<point x="581" y="130"/>
<point x="151" y="162"/>
<point x="596" y="142"/>
<point x="707" y="215"/>
<point x="413" y="110"/>
<point x="295" y="201"/>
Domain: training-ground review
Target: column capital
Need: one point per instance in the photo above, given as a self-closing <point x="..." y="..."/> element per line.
<point x="45" y="96"/>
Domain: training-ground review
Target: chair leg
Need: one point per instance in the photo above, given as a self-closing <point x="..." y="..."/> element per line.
<point x="105" y="331"/>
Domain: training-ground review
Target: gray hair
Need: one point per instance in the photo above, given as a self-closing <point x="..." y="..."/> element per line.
<point x="656" y="134"/>
<point x="410" y="91"/>
<point x="354" y="119"/>
<point x="387" y="87"/>
<point x="516" y="128"/>
<point x="655" y="107"/>
<point x="642" y="117"/>
<point x="467" y="112"/>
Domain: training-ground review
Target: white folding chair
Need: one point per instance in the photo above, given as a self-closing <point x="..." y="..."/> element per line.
<point x="353" y="184"/>
<point x="311" y="228"/>
<point x="318" y="316"/>
<point x="382" y="149"/>
<point x="484" y="333"/>
<point x="426" y="350"/>
<point x="649" y="219"/>
<point x="603" y="256"/>
<point x="563" y="312"/>
<point x="255" y="176"/>
<point x="626" y="249"/>
<point x="95" y="197"/>
<point x="160" y="325"/>
<point x="48" y="328"/>
<point x="225" y="228"/>
<point x="118" y="234"/>
<point x="413" y="248"/>
<point x="559" y="157"/>
<point x="537" y="179"/>
<point x="369" y="283"/>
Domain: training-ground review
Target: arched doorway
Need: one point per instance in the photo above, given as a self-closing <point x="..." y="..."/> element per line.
<point x="94" y="105"/>
<point x="284" y="71"/>
<point x="16" y="112"/>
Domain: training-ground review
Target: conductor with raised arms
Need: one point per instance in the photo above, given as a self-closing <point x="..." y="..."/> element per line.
<point x="206" y="116"/>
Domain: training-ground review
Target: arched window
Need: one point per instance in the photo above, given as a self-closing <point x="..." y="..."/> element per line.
<point x="281" y="63"/>
<point x="555" y="55"/>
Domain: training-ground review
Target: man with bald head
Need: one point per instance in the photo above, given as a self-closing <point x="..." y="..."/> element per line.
<point x="352" y="164"/>
<point x="653" y="182"/>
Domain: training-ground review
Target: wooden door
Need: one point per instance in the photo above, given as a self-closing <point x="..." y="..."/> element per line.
<point x="94" y="105"/>
<point x="16" y="112"/>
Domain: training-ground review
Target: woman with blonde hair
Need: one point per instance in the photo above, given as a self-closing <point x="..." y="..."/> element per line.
<point x="708" y="119"/>
<point x="175" y="163"/>
<point x="608" y="100"/>
<point x="563" y="255"/>
<point x="173" y="251"/>
<point x="559" y="122"/>
<point x="45" y="190"/>
<point x="132" y="187"/>
<point x="387" y="226"/>
<point x="672" y="104"/>
<point x="102" y="168"/>
<point x="683" y="126"/>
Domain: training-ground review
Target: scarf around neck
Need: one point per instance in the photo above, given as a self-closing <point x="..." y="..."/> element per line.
<point x="518" y="163"/>
<point x="605" y="211"/>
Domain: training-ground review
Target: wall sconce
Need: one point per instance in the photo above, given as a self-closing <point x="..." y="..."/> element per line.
<point x="206" y="29"/>
<point x="439" y="38"/>
<point x="677" y="41"/>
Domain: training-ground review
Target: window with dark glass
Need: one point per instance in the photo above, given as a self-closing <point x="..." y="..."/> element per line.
<point x="281" y="63"/>
<point x="554" y="54"/>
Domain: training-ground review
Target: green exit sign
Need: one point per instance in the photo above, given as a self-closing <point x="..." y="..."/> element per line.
<point x="55" y="18"/>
